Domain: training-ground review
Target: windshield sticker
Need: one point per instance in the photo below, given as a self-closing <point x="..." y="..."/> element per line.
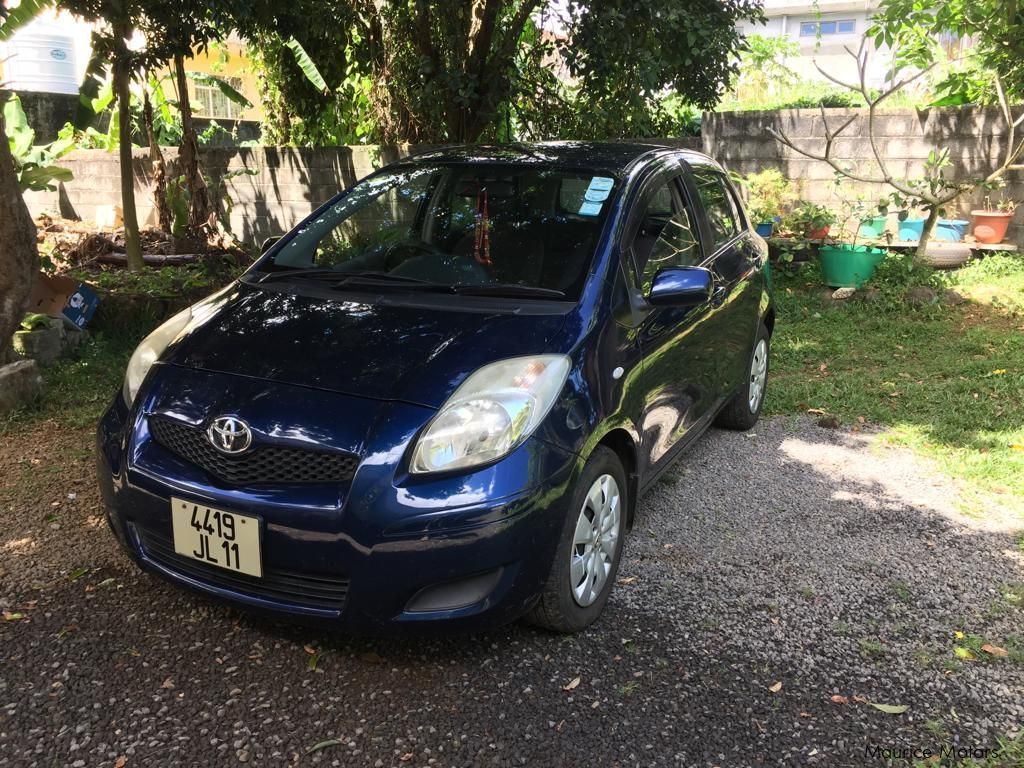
<point x="601" y="184"/>
<point x="590" y="209"/>
<point x="597" y="195"/>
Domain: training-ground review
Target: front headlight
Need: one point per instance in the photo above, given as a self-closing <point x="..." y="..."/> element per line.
<point x="491" y="413"/>
<point x="149" y="350"/>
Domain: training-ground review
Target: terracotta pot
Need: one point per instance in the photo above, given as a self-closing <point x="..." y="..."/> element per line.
<point x="990" y="226"/>
<point x="818" y="234"/>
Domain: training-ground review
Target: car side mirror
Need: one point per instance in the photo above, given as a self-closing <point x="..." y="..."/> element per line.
<point x="681" y="287"/>
<point x="269" y="243"/>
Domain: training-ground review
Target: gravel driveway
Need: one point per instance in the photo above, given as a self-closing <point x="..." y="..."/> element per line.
<point x="774" y="586"/>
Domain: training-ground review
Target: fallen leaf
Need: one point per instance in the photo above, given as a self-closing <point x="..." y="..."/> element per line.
<point x="406" y="757"/>
<point x="13" y="616"/>
<point x="309" y="649"/>
<point x="774" y="619"/>
<point x="964" y="653"/>
<point x="837" y="699"/>
<point x="572" y="684"/>
<point x="121" y="762"/>
<point x="994" y="650"/>
<point x="806" y="714"/>
<point x="775" y="688"/>
<point x="77" y="574"/>
<point x="891" y="709"/>
<point x="323" y="745"/>
<point x="817" y="411"/>
<point x="628" y="580"/>
<point x="595" y="705"/>
<point x="860" y="699"/>
<point x="167" y="684"/>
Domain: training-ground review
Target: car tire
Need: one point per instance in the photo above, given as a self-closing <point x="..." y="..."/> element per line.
<point x="598" y="510"/>
<point x="742" y="412"/>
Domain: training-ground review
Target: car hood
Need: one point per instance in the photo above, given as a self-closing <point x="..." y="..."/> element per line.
<point x="374" y="347"/>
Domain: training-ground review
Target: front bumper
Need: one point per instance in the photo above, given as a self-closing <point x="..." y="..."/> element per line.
<point x="355" y="557"/>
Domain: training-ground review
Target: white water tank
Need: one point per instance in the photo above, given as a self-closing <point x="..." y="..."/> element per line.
<point x="40" y="57"/>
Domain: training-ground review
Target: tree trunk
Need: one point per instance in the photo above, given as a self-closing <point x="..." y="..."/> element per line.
<point x="156" y="157"/>
<point x="19" y="256"/>
<point x="199" y="195"/>
<point x="926" y="232"/>
<point x="122" y="89"/>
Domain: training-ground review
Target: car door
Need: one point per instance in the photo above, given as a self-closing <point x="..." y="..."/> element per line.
<point x="679" y="380"/>
<point x="734" y="260"/>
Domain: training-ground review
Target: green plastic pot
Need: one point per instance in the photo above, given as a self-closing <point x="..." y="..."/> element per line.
<point x="873" y="228"/>
<point x="848" y="266"/>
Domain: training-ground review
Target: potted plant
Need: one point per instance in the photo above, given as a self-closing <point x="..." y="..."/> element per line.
<point x="992" y="221"/>
<point x="809" y="220"/>
<point x="847" y="264"/>
<point x="768" y="194"/>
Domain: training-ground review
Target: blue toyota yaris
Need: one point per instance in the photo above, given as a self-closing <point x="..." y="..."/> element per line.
<point x="438" y="399"/>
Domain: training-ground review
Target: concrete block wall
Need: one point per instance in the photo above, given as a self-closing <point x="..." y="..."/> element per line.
<point x="282" y="184"/>
<point x="287" y="183"/>
<point x="975" y="137"/>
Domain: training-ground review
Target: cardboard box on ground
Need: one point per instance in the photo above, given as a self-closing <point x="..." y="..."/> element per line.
<point x="70" y="304"/>
<point x="63" y="297"/>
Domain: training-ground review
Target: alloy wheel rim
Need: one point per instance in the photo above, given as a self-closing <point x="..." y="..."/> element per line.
<point x="594" y="540"/>
<point x="758" y="375"/>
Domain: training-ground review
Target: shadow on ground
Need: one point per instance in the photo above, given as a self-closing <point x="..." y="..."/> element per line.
<point x="794" y="555"/>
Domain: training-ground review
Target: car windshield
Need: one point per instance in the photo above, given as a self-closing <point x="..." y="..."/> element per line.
<point x="488" y="229"/>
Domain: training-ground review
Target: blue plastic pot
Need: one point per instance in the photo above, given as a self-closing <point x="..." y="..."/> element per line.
<point x="764" y="229"/>
<point x="951" y="230"/>
<point x="911" y="229"/>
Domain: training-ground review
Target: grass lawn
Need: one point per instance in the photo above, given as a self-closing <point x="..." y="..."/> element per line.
<point x="947" y="380"/>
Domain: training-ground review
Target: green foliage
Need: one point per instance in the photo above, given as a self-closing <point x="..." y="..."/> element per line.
<point x="917" y="29"/>
<point x="12" y="19"/>
<point x="396" y="71"/>
<point x="34" y="321"/>
<point x="807" y="217"/>
<point x="768" y="193"/>
<point x="33" y="164"/>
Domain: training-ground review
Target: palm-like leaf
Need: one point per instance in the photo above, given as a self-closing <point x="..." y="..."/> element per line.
<point x="15" y="18"/>
<point x="306" y="65"/>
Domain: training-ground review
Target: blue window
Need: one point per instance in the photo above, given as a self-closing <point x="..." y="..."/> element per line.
<point x="826" y="28"/>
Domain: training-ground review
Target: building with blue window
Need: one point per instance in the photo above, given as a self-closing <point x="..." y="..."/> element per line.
<point x="823" y="30"/>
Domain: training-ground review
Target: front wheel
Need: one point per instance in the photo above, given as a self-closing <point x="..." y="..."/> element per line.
<point x="743" y="411"/>
<point x="589" y="549"/>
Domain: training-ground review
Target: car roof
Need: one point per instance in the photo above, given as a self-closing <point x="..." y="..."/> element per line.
<point x="612" y="157"/>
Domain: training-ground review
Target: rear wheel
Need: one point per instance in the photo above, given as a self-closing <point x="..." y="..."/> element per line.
<point x="743" y="411"/>
<point x="589" y="549"/>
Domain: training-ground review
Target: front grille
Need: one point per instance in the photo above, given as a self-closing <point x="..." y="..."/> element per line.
<point x="261" y="464"/>
<point x="299" y="589"/>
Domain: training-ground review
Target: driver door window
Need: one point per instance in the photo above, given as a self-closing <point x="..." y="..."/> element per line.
<point x="666" y="235"/>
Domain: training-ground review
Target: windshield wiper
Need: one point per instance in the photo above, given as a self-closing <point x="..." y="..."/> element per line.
<point x="508" y="289"/>
<point x="371" y="276"/>
<point x="316" y="272"/>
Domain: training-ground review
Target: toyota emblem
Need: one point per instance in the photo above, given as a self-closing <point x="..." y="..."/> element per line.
<point x="229" y="434"/>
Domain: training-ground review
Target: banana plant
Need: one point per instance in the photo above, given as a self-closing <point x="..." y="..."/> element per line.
<point x="33" y="164"/>
<point x="13" y="19"/>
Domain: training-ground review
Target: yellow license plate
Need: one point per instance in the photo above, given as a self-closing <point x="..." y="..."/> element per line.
<point x="214" y="536"/>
